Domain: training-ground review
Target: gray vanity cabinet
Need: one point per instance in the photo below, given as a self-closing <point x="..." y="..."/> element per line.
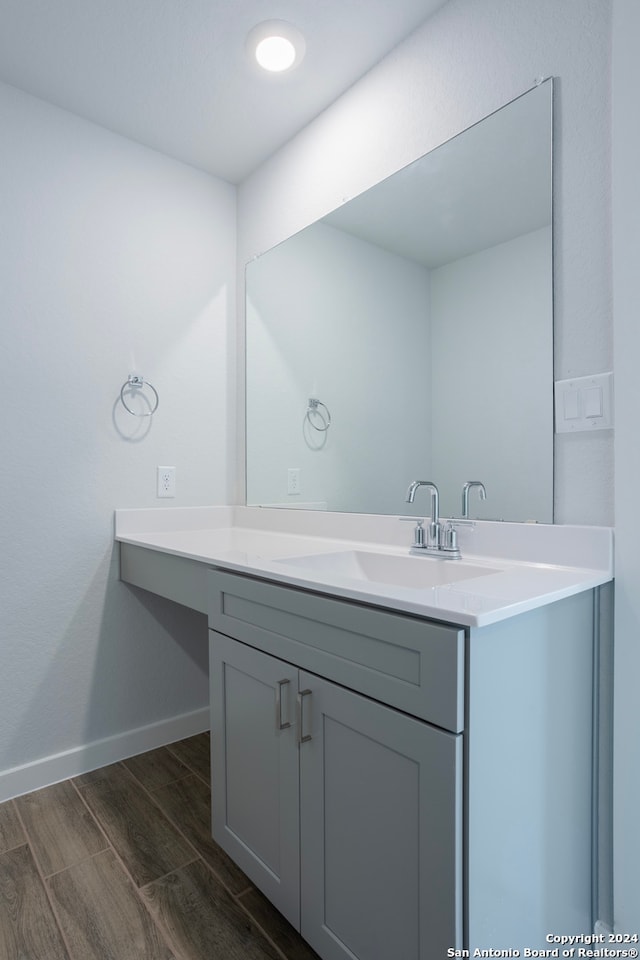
<point x="255" y="769"/>
<point x="399" y="787"/>
<point x="345" y="812"/>
<point x="380" y="829"/>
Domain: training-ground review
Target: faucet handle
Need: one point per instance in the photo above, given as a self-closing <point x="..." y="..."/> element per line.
<point x="418" y="532"/>
<point x="450" y="536"/>
<point x="450" y="540"/>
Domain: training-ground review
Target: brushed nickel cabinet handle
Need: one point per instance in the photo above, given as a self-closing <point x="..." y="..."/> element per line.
<point x="280" y="723"/>
<point x="302" y="737"/>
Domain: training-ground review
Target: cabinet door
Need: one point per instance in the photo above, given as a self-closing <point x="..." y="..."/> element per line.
<point x="381" y="829"/>
<point x="255" y="795"/>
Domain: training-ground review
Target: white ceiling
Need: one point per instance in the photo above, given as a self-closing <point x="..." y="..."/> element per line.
<point x="173" y="74"/>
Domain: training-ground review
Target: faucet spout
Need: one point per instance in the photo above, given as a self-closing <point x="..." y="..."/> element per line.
<point x="482" y="493"/>
<point x="435" y="497"/>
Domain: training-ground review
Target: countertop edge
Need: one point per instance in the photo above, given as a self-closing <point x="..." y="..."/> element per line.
<point x="451" y="599"/>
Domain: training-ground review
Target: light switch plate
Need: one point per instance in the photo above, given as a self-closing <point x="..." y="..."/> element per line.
<point x="584" y="403"/>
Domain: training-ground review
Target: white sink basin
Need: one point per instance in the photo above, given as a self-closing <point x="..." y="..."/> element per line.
<point x="401" y="571"/>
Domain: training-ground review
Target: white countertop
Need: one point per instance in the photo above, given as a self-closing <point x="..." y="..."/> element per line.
<point x="524" y="566"/>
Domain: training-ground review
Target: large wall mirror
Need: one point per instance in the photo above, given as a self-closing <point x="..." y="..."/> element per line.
<point x="409" y="335"/>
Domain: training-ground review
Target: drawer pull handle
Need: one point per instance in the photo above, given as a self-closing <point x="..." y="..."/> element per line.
<point x="302" y="737"/>
<point x="280" y="723"/>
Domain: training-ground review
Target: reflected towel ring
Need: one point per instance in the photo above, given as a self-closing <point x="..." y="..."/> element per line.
<point x="135" y="382"/>
<point x="325" y="418"/>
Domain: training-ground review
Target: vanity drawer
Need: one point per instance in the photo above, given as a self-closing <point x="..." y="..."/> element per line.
<point x="413" y="664"/>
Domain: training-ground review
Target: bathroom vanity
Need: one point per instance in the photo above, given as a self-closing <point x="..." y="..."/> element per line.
<point x="402" y="770"/>
<point x="349" y="793"/>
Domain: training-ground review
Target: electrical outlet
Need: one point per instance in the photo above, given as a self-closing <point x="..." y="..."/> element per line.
<point x="166" y="482"/>
<point x="293" y="481"/>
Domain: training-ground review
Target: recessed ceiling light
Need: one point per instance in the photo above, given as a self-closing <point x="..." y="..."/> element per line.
<point x="275" y="45"/>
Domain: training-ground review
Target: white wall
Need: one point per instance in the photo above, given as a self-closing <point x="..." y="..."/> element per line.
<point x="492" y="346"/>
<point x="112" y="258"/>
<point x="325" y="315"/>
<point x="626" y="252"/>
<point x="464" y="62"/>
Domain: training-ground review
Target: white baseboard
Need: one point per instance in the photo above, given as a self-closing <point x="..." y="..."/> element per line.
<point x="90" y="756"/>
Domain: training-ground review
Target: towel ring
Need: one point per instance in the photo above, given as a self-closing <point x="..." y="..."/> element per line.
<point x="136" y="382"/>
<point x="312" y="411"/>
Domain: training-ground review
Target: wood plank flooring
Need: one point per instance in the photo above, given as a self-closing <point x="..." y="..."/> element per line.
<point x="119" y="864"/>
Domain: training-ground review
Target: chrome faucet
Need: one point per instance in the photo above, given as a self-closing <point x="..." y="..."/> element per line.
<point x="465" y="495"/>
<point x="435" y="497"/>
<point x="438" y="541"/>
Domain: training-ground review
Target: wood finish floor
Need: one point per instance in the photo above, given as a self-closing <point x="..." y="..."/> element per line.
<point x="119" y="864"/>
